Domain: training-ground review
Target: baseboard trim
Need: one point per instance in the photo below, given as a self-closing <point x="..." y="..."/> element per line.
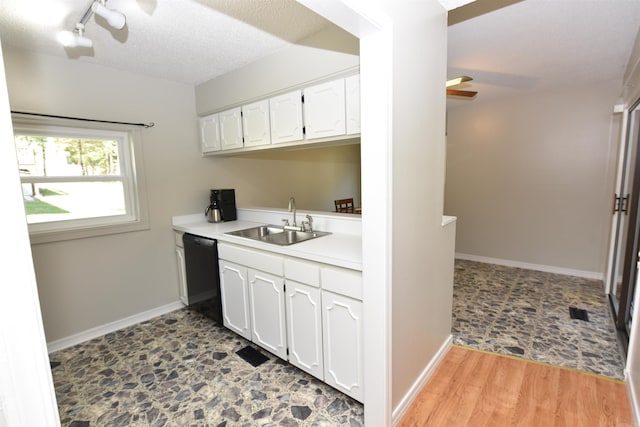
<point x="538" y="267"/>
<point x="417" y="386"/>
<point x="98" y="331"/>
<point x="634" y="401"/>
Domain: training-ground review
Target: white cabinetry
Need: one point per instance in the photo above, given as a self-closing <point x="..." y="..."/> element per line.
<point x="330" y="112"/>
<point x="324" y="110"/>
<point x="210" y="133"/>
<point x="313" y="310"/>
<point x="304" y="316"/>
<point x="255" y="124"/>
<point x="251" y="284"/>
<point x="230" y="128"/>
<point x="286" y="117"/>
<point x="268" y="324"/>
<point x="234" y="292"/>
<point x="182" y="269"/>
<point x="343" y="343"/>
<point x="352" y="100"/>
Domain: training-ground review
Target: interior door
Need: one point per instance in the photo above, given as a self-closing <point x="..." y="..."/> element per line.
<point x="627" y="233"/>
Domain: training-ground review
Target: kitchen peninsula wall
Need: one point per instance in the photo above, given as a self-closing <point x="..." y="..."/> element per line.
<point x="315" y="176"/>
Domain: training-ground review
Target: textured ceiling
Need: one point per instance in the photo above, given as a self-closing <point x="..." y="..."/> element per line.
<point x="188" y="41"/>
<point x="534" y="45"/>
<point x="509" y="47"/>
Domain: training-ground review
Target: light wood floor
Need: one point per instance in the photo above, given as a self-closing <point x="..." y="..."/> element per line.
<point x="474" y="388"/>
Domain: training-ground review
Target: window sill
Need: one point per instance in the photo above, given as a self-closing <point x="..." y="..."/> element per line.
<point x="83" y="233"/>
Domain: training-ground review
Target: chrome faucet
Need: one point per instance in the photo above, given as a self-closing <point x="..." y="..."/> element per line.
<point x="308" y="224"/>
<point x="292" y="208"/>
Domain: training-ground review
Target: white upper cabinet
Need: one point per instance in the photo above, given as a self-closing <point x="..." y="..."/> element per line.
<point x="210" y="133"/>
<point x="230" y="128"/>
<point x="352" y="95"/>
<point x="255" y="124"/>
<point x="330" y="112"/>
<point x="286" y="117"/>
<point x="324" y="110"/>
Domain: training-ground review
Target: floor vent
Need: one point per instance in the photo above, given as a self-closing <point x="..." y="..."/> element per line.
<point x="252" y="356"/>
<point x="578" y="313"/>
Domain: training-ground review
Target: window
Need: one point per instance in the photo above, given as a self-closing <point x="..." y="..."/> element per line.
<point x="79" y="182"/>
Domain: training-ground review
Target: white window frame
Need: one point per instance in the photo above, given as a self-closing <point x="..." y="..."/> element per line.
<point x="131" y="175"/>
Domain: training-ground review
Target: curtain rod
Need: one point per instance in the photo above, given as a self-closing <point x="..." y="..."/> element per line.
<point x="149" y="125"/>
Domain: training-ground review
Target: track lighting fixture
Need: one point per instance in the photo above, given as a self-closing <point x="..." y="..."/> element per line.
<point x="113" y="17"/>
<point x="76" y="37"/>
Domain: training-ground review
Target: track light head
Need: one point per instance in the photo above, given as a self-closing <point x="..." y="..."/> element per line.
<point x="114" y="18"/>
<point x="75" y="38"/>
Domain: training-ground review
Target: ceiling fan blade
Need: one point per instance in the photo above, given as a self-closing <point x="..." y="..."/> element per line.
<point x="466" y="93"/>
<point x="458" y="80"/>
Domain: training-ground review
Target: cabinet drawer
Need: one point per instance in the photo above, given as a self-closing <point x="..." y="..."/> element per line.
<point x="178" y="237"/>
<point x="252" y="258"/>
<point x="302" y="271"/>
<point x="342" y="281"/>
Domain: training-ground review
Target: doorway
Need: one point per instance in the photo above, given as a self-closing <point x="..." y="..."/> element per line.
<point x="626" y="236"/>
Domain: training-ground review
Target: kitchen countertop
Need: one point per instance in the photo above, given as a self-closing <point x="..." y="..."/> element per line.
<point x="339" y="249"/>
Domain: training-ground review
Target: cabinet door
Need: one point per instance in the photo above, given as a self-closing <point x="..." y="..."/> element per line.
<point x="352" y="100"/>
<point x="210" y="133"/>
<point x="182" y="276"/>
<point x="266" y="293"/>
<point x="343" y="343"/>
<point x="231" y="128"/>
<point x="255" y="124"/>
<point x="286" y="117"/>
<point x="304" y="322"/>
<point x="324" y="110"/>
<point x="235" y="298"/>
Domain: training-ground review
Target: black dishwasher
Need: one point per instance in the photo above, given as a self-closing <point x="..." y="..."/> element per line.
<point x="203" y="279"/>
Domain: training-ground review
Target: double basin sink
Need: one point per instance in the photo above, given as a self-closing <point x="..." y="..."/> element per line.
<point x="277" y="235"/>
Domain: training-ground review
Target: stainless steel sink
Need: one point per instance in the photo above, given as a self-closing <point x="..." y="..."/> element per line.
<point x="257" y="233"/>
<point x="277" y="235"/>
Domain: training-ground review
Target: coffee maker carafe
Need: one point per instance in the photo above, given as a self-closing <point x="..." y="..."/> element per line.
<point x="222" y="206"/>
<point x="213" y="212"/>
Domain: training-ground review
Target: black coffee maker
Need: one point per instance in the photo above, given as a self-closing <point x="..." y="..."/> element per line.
<point x="222" y="206"/>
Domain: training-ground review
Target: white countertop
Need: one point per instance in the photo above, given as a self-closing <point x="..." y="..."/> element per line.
<point x="338" y="248"/>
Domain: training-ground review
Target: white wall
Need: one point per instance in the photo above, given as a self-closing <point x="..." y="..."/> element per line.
<point x="421" y="250"/>
<point x="27" y="397"/>
<point x="316" y="177"/>
<point x="531" y="178"/>
<point x="329" y="51"/>
<point x="90" y="282"/>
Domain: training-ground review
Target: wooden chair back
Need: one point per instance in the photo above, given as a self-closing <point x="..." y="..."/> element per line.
<point x="344" y="205"/>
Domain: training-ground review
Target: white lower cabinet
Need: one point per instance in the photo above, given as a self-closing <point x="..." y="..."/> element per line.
<point x="182" y="270"/>
<point x="182" y="275"/>
<point x="234" y="292"/>
<point x="343" y="343"/>
<point x="302" y="311"/>
<point x="304" y="332"/>
<point x="268" y="324"/>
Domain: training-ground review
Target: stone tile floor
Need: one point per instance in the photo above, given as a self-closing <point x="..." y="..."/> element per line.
<point x="181" y="369"/>
<point x="525" y="313"/>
